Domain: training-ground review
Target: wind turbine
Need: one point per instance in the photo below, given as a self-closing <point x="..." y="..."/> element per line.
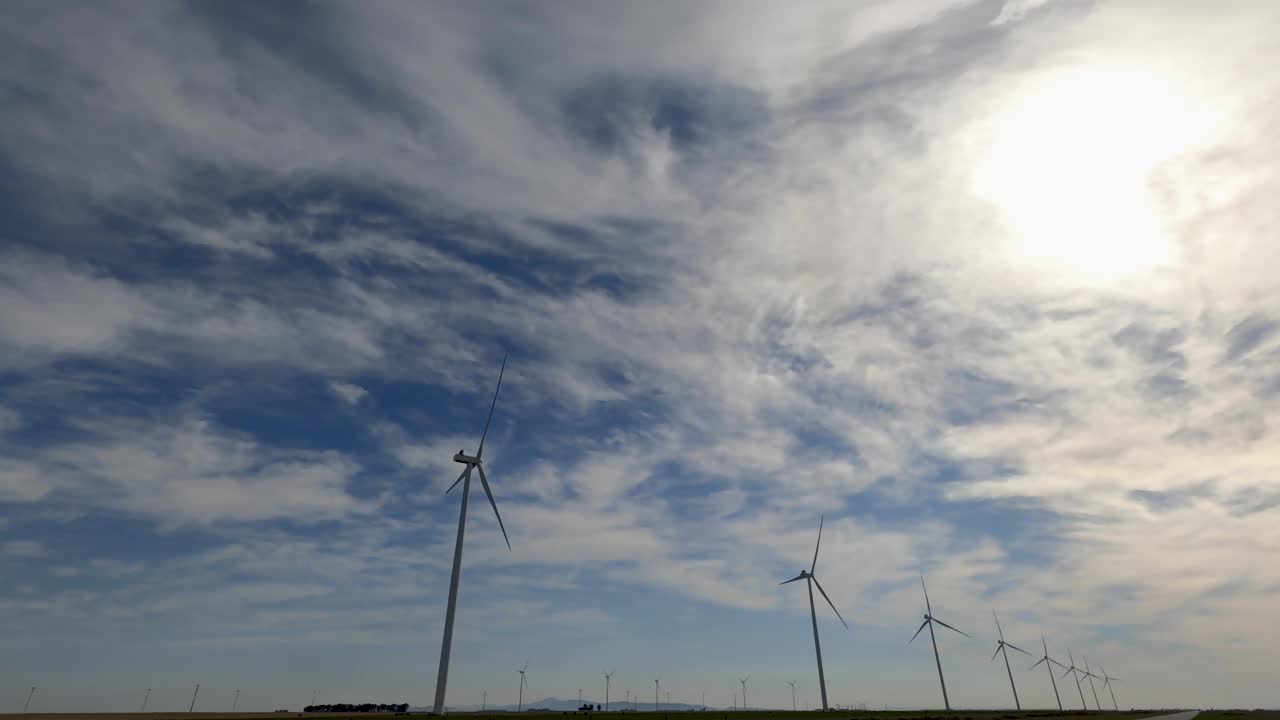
<point x="1073" y="671"/>
<point x="193" y="699"/>
<point x="29" y="694"/>
<point x="235" y="702"/>
<point x="607" y="676"/>
<point x="811" y="579"/>
<point x="1091" y="676"/>
<point x="1106" y="683"/>
<point x="655" y="693"/>
<point x="1003" y="647"/>
<point x="792" y="683"/>
<point x="1048" y="665"/>
<point x="470" y="463"/>
<point x="520" y="702"/>
<point x="145" y="698"/>
<point x="744" y="690"/>
<point x="929" y="620"/>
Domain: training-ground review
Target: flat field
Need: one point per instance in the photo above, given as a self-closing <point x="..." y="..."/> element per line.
<point x="650" y="715"/>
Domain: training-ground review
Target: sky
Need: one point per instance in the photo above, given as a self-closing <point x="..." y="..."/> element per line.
<point x="987" y="285"/>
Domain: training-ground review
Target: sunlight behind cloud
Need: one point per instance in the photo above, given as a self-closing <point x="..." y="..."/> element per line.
<point x="1068" y="163"/>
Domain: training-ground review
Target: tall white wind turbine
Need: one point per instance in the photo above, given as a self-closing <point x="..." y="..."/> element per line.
<point x="470" y="463"/>
<point x="1074" y="672"/>
<point x="1106" y="683"/>
<point x="1091" y="676"/>
<point x="1048" y="665"/>
<point x="930" y="620"/>
<point x="522" y="671"/>
<point x="1003" y="647"/>
<point x="607" y="677"/>
<point x="655" y="693"/>
<point x="744" y="691"/>
<point x="145" y="698"/>
<point x="811" y="579"/>
<point x="29" y="694"/>
<point x="792" y="683"/>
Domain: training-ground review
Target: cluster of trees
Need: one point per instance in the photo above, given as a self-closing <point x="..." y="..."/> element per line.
<point x="362" y="708"/>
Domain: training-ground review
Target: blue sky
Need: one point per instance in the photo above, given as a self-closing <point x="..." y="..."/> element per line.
<point x="987" y="284"/>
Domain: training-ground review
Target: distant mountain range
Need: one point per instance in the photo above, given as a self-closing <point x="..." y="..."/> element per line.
<point x="559" y="705"/>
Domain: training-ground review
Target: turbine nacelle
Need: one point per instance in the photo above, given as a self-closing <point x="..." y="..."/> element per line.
<point x="461" y="457"/>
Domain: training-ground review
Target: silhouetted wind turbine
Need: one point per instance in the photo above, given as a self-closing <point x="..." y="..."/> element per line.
<point x="1091" y="676"/>
<point x="607" y="676"/>
<point x="744" y="691"/>
<point x="792" y="683"/>
<point x="1073" y="671"/>
<point x="655" y="693"/>
<point x="1003" y="647"/>
<point x="193" y="699"/>
<point x="520" y="702"/>
<point x="1106" y="683"/>
<point x="29" y="694"/>
<point x="145" y="698"/>
<point x="1048" y="665"/>
<point x="470" y="463"/>
<point x="929" y="620"/>
<point x="811" y="579"/>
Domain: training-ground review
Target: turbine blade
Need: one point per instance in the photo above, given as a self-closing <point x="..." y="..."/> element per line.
<point x="913" y="637"/>
<point x="480" y="452"/>
<point x="1068" y="672"/>
<point x="927" y="607"/>
<point x="1055" y="662"/>
<point x="951" y="628"/>
<point x="998" y="628"/>
<point x="833" y="605"/>
<point x="485" y="482"/>
<point x="1015" y="647"/>
<point x="1041" y="660"/>
<point x="994" y="654"/>
<point x="461" y="475"/>
<point x="814" y="566"/>
<point x="798" y="577"/>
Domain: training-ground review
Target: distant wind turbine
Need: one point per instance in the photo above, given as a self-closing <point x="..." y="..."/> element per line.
<point x="1091" y="676"/>
<point x="607" y="676"/>
<point x="29" y="694"/>
<point x="811" y="579"/>
<point x="930" y="620"/>
<point x="193" y="699"/>
<point x="792" y="683"/>
<point x="471" y="463"/>
<point x="744" y="691"/>
<point x="145" y="698"/>
<point x="235" y="702"/>
<point x="1074" y="671"/>
<point x="1106" y="683"/>
<point x="655" y="693"/>
<point x="520" y="702"/>
<point x="1048" y="665"/>
<point x="1003" y="647"/>
<point x="484" y="700"/>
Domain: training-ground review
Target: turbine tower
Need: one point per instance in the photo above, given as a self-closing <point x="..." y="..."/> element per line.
<point x="1091" y="676"/>
<point x="520" y="702"/>
<point x="1048" y="665"/>
<point x="235" y="702"/>
<point x="145" y="698"/>
<point x="655" y="693"/>
<point x="1074" y="672"/>
<point x="792" y="683"/>
<point x="1003" y="647"/>
<point x="930" y="620"/>
<point x="193" y="699"/>
<point x="29" y="694"/>
<point x="811" y="579"/>
<point x="607" y="676"/>
<point x="744" y="690"/>
<point x="470" y="463"/>
<point x="1106" y="683"/>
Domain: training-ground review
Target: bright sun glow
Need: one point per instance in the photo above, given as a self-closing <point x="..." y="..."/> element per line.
<point x="1068" y="165"/>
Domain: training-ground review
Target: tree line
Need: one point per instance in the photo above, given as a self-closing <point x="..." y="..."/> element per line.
<point x="351" y="708"/>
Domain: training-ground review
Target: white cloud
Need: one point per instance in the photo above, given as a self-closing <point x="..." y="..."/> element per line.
<point x="350" y="393"/>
